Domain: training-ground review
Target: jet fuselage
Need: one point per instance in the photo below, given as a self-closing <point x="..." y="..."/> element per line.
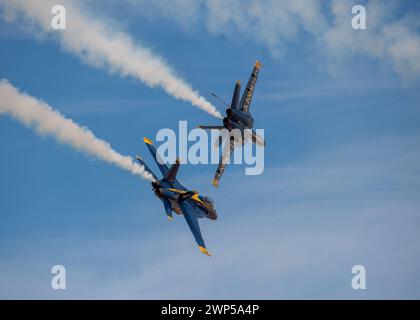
<point x="171" y="193"/>
<point x="238" y="119"/>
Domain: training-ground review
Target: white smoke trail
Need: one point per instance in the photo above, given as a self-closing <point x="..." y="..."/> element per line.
<point x="102" y="46"/>
<point x="38" y="115"/>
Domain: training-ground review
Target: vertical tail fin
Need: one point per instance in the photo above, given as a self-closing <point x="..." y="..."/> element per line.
<point x="236" y="93"/>
<point x="170" y="175"/>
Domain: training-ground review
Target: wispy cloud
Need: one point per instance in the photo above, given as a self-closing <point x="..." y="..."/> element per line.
<point x="391" y="38"/>
<point x="296" y="235"/>
<point x="388" y="39"/>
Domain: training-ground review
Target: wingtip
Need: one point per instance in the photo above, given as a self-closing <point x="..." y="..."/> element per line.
<point x="147" y="140"/>
<point x="258" y="64"/>
<point x="170" y="218"/>
<point x="215" y="182"/>
<point x="204" y="250"/>
<point x="238" y="82"/>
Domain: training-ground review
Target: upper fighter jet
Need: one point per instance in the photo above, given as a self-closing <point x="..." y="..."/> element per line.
<point x="238" y="117"/>
<point x="176" y="198"/>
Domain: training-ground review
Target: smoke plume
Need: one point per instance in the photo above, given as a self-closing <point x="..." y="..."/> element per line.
<point x="38" y="115"/>
<point x="100" y="44"/>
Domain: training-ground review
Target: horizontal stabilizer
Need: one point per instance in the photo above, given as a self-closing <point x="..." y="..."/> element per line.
<point x="168" y="208"/>
<point x="211" y="127"/>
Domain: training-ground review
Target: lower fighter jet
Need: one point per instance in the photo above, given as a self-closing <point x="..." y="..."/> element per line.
<point x="238" y="117"/>
<point x="176" y="198"/>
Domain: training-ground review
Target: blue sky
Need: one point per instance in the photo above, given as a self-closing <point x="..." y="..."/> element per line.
<point x="342" y="163"/>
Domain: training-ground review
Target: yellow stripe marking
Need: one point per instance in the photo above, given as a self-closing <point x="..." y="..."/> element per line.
<point x="204" y="250"/>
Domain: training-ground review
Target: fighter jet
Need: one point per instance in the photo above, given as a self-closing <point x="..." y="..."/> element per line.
<point x="176" y="198"/>
<point x="237" y="117"/>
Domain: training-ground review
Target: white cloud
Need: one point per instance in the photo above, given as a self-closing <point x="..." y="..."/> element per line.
<point x="269" y="23"/>
<point x="390" y="39"/>
<point x="294" y="238"/>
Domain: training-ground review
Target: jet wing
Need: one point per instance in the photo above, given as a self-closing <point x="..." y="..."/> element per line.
<point x="188" y="212"/>
<point x="259" y="141"/>
<point x="224" y="158"/>
<point x="162" y="166"/>
<point x="211" y="127"/>
<point x="246" y="98"/>
<point x="254" y="138"/>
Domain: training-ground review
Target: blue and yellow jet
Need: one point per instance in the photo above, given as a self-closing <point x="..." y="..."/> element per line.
<point x="238" y="117"/>
<point x="176" y="198"/>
